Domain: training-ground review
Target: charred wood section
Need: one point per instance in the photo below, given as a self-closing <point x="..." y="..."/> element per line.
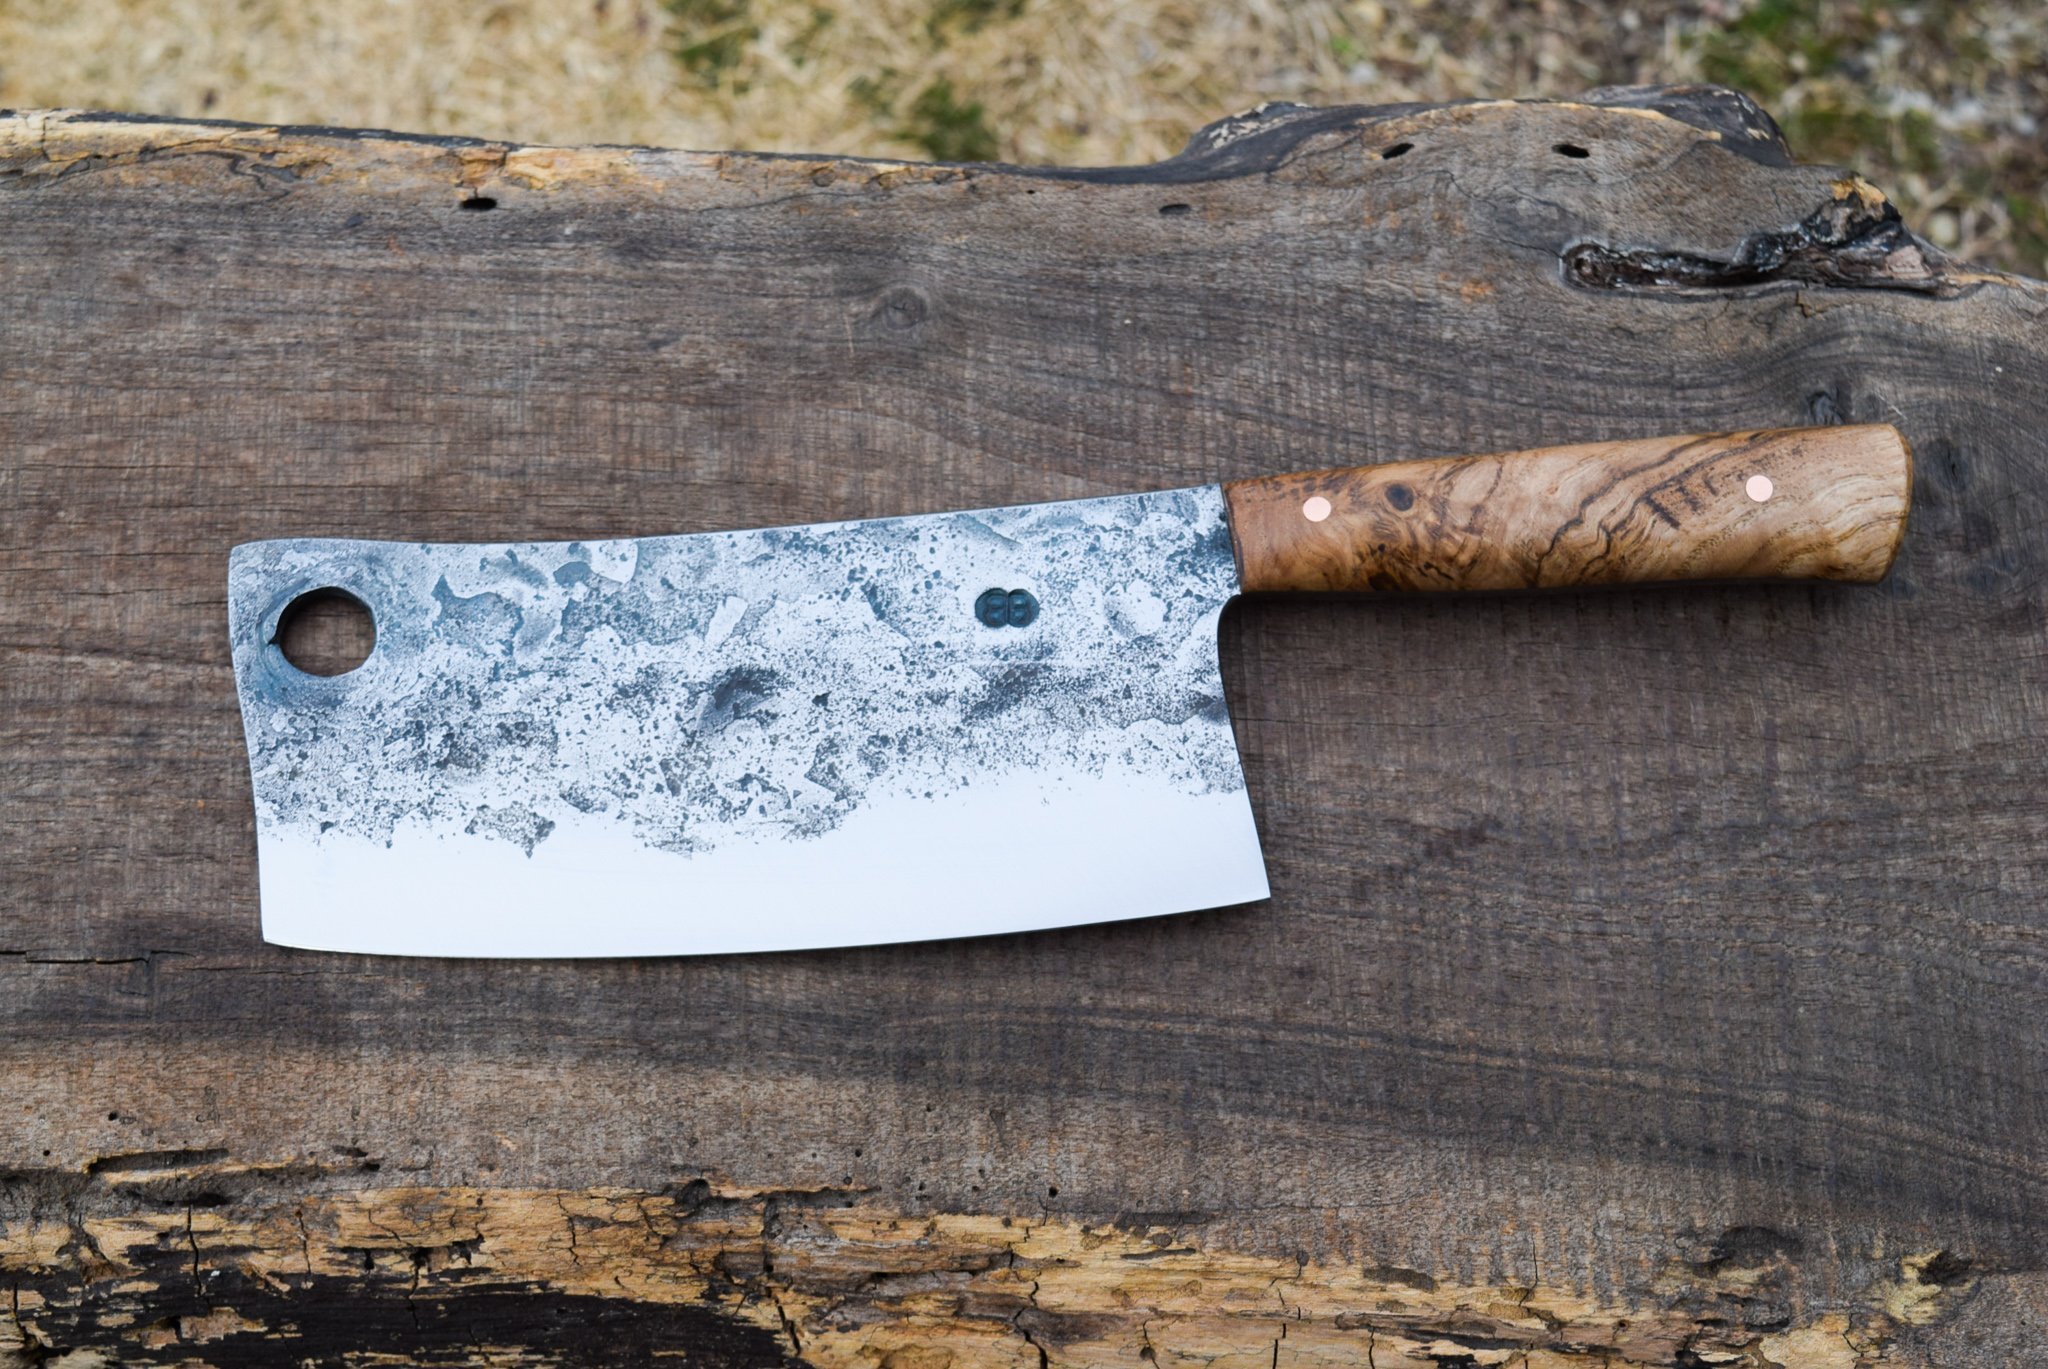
<point x="306" y="1263"/>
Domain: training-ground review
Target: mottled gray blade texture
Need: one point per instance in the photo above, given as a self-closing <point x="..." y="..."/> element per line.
<point x="746" y="741"/>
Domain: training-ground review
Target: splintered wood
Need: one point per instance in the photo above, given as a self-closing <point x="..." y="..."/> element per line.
<point x="828" y="1278"/>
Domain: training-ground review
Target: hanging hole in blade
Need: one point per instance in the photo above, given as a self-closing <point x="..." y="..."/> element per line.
<point x="326" y="632"/>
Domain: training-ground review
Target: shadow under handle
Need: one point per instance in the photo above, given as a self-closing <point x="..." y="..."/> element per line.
<point x="1782" y="504"/>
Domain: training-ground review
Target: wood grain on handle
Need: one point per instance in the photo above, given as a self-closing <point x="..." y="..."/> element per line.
<point x="1830" y="505"/>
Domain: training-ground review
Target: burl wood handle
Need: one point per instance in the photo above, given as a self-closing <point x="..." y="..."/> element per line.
<point x="1789" y="504"/>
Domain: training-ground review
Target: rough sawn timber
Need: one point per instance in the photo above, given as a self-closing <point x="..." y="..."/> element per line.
<point x="1652" y="977"/>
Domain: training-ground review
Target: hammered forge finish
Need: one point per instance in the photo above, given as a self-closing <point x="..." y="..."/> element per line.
<point x="750" y="740"/>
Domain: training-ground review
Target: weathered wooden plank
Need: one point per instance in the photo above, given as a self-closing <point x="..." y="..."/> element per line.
<point x="1674" y="956"/>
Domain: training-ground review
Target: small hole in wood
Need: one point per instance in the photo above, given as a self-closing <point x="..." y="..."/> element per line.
<point x="1174" y="210"/>
<point x="326" y="632"/>
<point x="1569" y="150"/>
<point x="477" y="202"/>
<point x="1396" y="150"/>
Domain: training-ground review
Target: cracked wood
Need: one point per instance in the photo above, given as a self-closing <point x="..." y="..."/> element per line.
<point x="728" y="1275"/>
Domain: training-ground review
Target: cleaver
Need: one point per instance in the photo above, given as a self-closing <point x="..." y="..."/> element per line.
<point x="890" y="730"/>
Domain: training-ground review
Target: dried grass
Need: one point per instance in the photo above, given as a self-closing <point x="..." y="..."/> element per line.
<point x="1942" y="102"/>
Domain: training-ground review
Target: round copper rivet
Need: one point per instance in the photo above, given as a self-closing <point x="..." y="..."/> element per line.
<point x="1759" y="488"/>
<point x="1315" y="509"/>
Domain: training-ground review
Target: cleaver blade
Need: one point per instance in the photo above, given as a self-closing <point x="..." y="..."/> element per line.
<point x="907" y="728"/>
<point x="841" y="734"/>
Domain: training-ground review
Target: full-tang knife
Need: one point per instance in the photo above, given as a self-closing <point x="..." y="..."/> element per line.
<point x="905" y="728"/>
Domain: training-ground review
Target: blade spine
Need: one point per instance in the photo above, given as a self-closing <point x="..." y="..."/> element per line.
<point x="239" y="550"/>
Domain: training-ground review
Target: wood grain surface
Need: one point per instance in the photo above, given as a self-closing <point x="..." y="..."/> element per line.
<point x="1782" y="504"/>
<point x="1651" y="977"/>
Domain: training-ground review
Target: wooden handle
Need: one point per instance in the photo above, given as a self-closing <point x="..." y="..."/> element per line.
<point x="1788" y="504"/>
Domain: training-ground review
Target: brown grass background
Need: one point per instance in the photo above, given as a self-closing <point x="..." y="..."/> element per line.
<point x="1942" y="102"/>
